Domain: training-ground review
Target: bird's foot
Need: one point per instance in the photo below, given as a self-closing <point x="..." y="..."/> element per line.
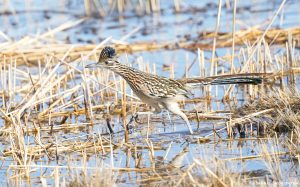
<point x="130" y="125"/>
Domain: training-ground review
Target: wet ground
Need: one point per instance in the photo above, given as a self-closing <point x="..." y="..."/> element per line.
<point x="165" y="142"/>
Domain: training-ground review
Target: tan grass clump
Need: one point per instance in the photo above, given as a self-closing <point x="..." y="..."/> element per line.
<point x="98" y="178"/>
<point x="283" y="109"/>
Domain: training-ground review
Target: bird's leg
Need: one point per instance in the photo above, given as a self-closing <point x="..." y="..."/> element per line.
<point x="164" y="119"/>
<point x="145" y="113"/>
<point x="155" y="107"/>
<point x="133" y="118"/>
<point x="173" y="107"/>
<point x="136" y="115"/>
<point x="170" y="119"/>
<point x="155" y="110"/>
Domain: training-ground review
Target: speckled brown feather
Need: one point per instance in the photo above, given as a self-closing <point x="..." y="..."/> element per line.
<point x="151" y="85"/>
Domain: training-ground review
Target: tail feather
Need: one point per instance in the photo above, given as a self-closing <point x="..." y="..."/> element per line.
<point x="235" y="80"/>
<point x="245" y="78"/>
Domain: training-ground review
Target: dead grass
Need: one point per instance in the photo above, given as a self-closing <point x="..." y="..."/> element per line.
<point x="55" y="115"/>
<point x="282" y="108"/>
<point x="98" y="178"/>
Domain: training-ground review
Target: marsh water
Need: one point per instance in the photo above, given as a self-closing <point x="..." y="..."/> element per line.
<point x="174" y="149"/>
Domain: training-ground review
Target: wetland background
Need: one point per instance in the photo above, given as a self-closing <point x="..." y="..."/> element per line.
<point x="55" y="115"/>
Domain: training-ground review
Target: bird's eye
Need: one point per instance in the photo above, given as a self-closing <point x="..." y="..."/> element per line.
<point x="106" y="62"/>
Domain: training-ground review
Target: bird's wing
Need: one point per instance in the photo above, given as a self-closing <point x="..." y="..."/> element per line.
<point x="161" y="87"/>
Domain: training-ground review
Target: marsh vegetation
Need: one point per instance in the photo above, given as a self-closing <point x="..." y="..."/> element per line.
<point x="56" y="117"/>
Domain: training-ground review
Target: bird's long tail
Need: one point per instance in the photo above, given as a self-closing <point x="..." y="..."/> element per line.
<point x="235" y="80"/>
<point x="245" y="78"/>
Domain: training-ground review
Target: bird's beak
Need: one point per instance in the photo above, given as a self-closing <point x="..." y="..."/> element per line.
<point x="93" y="65"/>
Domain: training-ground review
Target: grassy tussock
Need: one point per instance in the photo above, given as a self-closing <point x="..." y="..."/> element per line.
<point x="283" y="111"/>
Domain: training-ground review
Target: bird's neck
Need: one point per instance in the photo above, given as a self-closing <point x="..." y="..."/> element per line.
<point x="123" y="70"/>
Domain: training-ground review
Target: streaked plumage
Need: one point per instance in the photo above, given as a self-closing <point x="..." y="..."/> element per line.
<point x="157" y="91"/>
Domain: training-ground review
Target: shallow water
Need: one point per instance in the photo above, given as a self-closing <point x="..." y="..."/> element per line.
<point x="175" y="147"/>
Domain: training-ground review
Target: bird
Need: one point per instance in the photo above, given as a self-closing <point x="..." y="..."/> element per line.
<point x="157" y="91"/>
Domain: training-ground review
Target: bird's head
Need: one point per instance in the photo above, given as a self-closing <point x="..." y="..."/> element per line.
<point x="107" y="59"/>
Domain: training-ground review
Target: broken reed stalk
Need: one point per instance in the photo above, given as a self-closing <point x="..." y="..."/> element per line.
<point x="257" y="156"/>
<point x="213" y="63"/>
<point x="233" y="38"/>
<point x="124" y="115"/>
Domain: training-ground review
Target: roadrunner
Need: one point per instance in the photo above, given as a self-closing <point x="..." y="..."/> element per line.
<point x="157" y="91"/>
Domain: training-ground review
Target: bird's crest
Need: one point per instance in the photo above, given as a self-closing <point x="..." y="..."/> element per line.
<point x="107" y="52"/>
